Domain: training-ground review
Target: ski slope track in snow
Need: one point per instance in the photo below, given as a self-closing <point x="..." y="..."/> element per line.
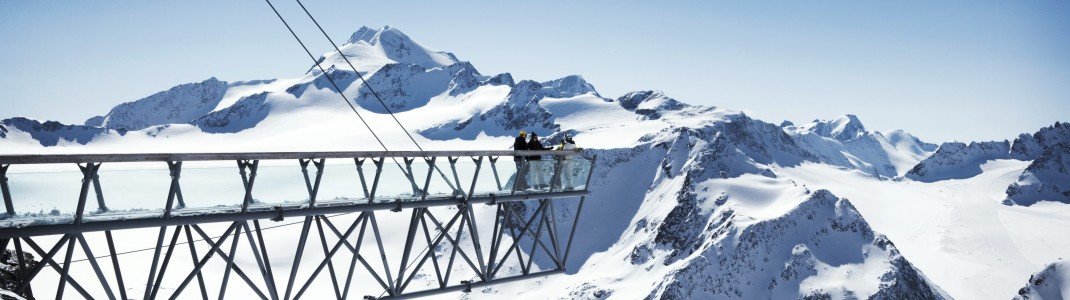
<point x="687" y="201"/>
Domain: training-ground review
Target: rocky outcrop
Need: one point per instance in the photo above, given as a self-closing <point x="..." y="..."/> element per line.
<point x="244" y="114"/>
<point x="956" y="160"/>
<point x="51" y="133"/>
<point x="180" y="104"/>
<point x="1031" y="146"/>
<point x="649" y="104"/>
<point x="1046" y="179"/>
<point x="806" y="253"/>
<point x="10" y="275"/>
<point x="1051" y="283"/>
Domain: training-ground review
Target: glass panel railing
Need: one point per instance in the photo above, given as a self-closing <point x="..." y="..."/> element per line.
<point x="49" y="192"/>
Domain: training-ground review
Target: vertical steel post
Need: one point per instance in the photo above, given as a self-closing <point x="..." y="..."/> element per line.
<point x="427" y="181"/>
<point x="475" y="177"/>
<point x="375" y="181"/>
<point x="360" y="174"/>
<point x="5" y="190"/>
<point x="494" y="169"/>
<point x="313" y="187"/>
<point x="247" y="181"/>
<point x="176" y="172"/>
<point x="88" y="171"/>
<point x="409" y="174"/>
<point x="101" y="207"/>
<point x="453" y="167"/>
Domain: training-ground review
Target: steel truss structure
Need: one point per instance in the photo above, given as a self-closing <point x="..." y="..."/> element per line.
<point x="526" y="228"/>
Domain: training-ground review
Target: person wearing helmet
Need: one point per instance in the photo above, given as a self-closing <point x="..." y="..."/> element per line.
<point x="567" y="177"/>
<point x="520" y="144"/>
<point x="538" y="168"/>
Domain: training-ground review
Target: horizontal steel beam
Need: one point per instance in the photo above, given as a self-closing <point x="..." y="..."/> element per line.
<point x="474" y="285"/>
<point x="151" y="157"/>
<point x="118" y="224"/>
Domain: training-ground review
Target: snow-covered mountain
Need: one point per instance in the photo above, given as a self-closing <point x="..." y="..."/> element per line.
<point x="1047" y="178"/>
<point x="1051" y="283"/>
<point x="688" y="201"/>
<point x="845" y="142"/>
<point x="715" y="224"/>
<point x="957" y="160"/>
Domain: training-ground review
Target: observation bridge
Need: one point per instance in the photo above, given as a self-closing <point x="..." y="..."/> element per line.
<point x="451" y="221"/>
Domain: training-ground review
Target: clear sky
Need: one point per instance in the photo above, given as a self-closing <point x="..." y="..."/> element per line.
<point x="943" y="70"/>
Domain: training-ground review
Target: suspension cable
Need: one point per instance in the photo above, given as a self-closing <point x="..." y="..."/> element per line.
<point x="335" y="45"/>
<point x="328" y="76"/>
<point x="365" y="84"/>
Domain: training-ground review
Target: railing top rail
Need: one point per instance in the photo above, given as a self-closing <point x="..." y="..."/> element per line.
<point x="151" y="157"/>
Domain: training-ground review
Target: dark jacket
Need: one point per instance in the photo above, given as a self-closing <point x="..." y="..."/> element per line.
<point x="534" y="144"/>
<point x="519" y="144"/>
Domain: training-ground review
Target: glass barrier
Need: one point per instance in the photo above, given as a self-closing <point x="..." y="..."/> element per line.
<point x="49" y="193"/>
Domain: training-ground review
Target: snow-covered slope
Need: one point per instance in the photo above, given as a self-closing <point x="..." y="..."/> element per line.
<point x="1051" y="283"/>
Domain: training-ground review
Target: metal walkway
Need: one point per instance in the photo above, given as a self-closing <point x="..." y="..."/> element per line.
<point x="535" y="207"/>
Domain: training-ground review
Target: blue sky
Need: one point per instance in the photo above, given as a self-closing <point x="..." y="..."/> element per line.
<point x="944" y="70"/>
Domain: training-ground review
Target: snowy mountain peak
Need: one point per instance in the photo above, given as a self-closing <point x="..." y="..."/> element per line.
<point x="364" y="34"/>
<point x="568" y="86"/>
<point x="649" y="103"/>
<point x="370" y="49"/>
<point x="844" y="128"/>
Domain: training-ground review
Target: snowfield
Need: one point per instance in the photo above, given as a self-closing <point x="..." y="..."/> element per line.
<point x="687" y="201"/>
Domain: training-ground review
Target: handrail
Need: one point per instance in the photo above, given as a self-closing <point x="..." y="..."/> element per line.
<point x="148" y="157"/>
